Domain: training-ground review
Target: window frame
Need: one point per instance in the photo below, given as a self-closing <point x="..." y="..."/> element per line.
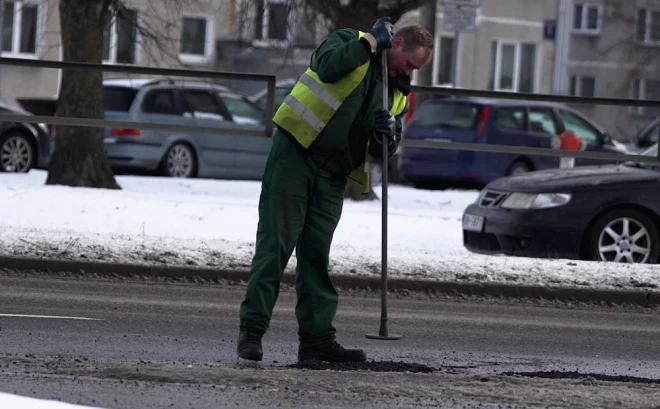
<point x="114" y="38"/>
<point x="583" y="30"/>
<point x="517" y="54"/>
<point x="576" y="87"/>
<point x="266" y="41"/>
<point x="42" y="15"/>
<point x="639" y="85"/>
<point x="436" y="57"/>
<point x="648" y="25"/>
<point x="208" y="39"/>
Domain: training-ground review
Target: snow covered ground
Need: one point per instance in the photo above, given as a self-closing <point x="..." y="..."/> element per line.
<point x="9" y="401"/>
<point x="212" y="223"/>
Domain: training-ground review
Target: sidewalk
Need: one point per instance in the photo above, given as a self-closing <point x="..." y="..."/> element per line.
<point x="212" y="224"/>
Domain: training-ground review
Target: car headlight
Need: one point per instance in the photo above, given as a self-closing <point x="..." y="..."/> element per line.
<point x="535" y="200"/>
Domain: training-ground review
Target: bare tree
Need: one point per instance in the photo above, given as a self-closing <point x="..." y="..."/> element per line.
<point x="79" y="157"/>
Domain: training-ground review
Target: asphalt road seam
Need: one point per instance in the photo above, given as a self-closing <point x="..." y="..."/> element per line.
<point x="641" y="297"/>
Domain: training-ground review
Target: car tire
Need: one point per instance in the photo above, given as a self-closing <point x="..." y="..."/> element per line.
<point x="180" y="161"/>
<point x="609" y="242"/>
<point x="17" y="153"/>
<point x="518" y="168"/>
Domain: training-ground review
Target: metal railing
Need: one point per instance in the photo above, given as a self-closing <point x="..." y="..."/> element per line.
<point x="269" y="126"/>
<point x="164" y="72"/>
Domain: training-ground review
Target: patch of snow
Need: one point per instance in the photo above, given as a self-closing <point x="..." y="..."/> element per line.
<point x="212" y="223"/>
<point x="9" y="401"/>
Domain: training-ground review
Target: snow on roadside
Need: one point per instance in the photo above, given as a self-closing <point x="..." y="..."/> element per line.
<point x="9" y="401"/>
<point x="212" y="223"/>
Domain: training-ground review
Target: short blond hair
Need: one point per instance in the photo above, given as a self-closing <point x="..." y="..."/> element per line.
<point x="415" y="36"/>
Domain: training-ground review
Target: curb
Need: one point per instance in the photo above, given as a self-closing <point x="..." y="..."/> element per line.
<point x="641" y="297"/>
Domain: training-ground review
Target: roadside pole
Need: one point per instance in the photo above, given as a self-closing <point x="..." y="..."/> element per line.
<point x="2" y="37"/>
<point x="460" y="16"/>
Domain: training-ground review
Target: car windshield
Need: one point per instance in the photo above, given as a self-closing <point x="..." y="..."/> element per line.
<point x="9" y="101"/>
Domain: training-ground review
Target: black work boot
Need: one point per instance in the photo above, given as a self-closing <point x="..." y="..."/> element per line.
<point x="331" y="352"/>
<point x="249" y="345"/>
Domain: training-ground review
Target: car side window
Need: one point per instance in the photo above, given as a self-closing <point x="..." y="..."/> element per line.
<point x="241" y="110"/>
<point x="579" y="126"/>
<point x="159" y="102"/>
<point x="651" y="138"/>
<point x="510" y="118"/>
<point x="542" y="120"/>
<point x="202" y="104"/>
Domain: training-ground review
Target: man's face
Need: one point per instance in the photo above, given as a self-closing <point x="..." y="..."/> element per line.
<point x="401" y="62"/>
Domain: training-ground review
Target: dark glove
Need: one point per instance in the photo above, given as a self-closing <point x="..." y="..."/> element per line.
<point x="383" y="33"/>
<point x="385" y="125"/>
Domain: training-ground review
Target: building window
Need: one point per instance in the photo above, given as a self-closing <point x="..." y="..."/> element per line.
<point x="196" y="38"/>
<point x="275" y="25"/>
<point x="20" y="28"/>
<point x="582" y="86"/>
<point x="647" y="28"/>
<point x="445" y="62"/>
<point x="121" y="38"/>
<point x="513" y="66"/>
<point x="587" y="18"/>
<point x="645" y="90"/>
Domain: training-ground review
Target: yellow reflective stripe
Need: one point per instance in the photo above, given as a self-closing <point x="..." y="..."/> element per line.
<point x="290" y="120"/>
<point x="321" y="92"/>
<point x="307" y="115"/>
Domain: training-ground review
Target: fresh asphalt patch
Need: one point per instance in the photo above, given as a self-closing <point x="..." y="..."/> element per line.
<point x="577" y="375"/>
<point x="373" y="366"/>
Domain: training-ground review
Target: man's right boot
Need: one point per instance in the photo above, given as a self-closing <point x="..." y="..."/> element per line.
<point x="249" y="345"/>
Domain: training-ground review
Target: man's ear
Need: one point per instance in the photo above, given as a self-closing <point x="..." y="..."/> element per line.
<point x="398" y="42"/>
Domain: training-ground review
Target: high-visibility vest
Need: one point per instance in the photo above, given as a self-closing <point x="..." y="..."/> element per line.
<point x="312" y="103"/>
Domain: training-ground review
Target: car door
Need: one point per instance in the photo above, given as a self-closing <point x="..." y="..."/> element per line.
<point x="594" y="139"/>
<point x="203" y="109"/>
<point x="543" y="127"/>
<point x="251" y="150"/>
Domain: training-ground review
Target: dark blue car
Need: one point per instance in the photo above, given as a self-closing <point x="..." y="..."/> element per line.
<point x="496" y="122"/>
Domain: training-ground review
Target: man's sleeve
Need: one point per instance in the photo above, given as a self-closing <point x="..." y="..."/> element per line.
<point x="340" y="54"/>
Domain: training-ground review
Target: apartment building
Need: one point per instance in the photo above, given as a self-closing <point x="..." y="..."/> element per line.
<point x="146" y="33"/>
<point x="509" y="50"/>
<point x="613" y="50"/>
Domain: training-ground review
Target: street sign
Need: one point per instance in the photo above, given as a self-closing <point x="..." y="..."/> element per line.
<point x="460" y="20"/>
<point x="462" y="3"/>
<point x="549" y="29"/>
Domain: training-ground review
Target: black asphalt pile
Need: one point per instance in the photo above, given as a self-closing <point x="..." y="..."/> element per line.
<point x="577" y="375"/>
<point x="374" y="366"/>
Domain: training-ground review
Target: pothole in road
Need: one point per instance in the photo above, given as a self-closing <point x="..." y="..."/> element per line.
<point x="374" y="366"/>
<point x="577" y="375"/>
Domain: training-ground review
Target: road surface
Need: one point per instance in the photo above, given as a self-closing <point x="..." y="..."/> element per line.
<point x="151" y="343"/>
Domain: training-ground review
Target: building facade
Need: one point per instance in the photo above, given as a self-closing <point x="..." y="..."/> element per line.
<point x="144" y="34"/>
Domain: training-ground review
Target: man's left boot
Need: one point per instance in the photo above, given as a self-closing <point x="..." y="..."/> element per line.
<point x="249" y="345"/>
<point x="331" y="352"/>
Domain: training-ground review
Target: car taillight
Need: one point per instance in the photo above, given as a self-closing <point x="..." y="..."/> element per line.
<point x="125" y="132"/>
<point x="482" y="125"/>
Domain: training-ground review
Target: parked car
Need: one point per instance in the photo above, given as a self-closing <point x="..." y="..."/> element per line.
<point x="498" y="122"/>
<point x="23" y="145"/>
<point x="604" y="213"/>
<point x="645" y="139"/>
<point x="282" y="89"/>
<point x="225" y="154"/>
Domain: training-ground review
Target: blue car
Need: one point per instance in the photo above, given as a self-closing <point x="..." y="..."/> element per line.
<point x="497" y="122"/>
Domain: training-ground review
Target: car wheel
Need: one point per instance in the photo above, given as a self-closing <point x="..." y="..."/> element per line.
<point x="17" y="153"/>
<point x="625" y="236"/>
<point x="180" y="161"/>
<point x="518" y="168"/>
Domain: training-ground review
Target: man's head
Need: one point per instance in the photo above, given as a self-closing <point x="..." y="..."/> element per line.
<point x="412" y="48"/>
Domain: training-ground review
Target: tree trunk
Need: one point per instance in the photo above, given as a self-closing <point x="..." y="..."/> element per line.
<point x="79" y="158"/>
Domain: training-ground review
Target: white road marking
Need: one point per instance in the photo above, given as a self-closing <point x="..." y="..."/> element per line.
<point x="50" y="316"/>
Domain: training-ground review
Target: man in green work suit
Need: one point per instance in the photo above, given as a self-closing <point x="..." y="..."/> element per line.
<point x="330" y="124"/>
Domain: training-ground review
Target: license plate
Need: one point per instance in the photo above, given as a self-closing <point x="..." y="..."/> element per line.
<point x="473" y="223"/>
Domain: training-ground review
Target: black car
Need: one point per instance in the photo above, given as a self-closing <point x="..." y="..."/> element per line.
<point x="23" y="145"/>
<point x="602" y="213"/>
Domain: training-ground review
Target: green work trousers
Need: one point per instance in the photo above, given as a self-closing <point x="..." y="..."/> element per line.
<point x="299" y="208"/>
